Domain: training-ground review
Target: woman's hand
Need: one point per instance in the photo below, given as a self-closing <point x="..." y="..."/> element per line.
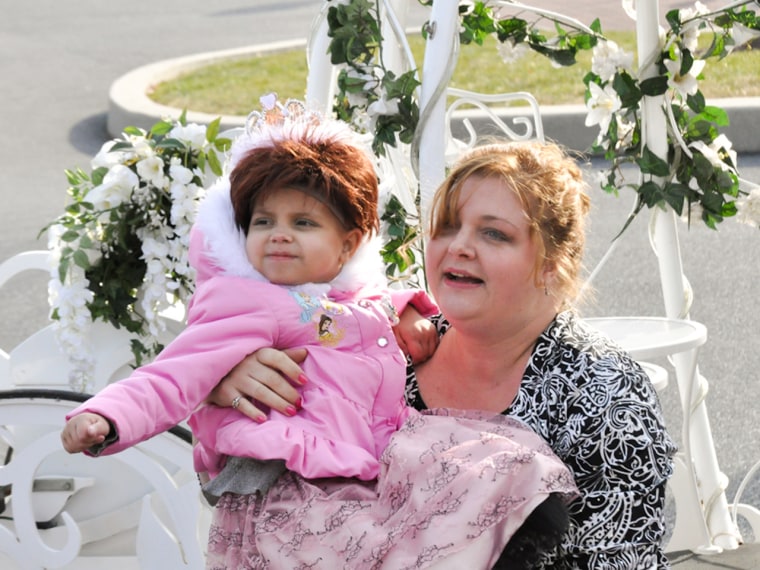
<point x="265" y="377"/>
<point x="416" y="335"/>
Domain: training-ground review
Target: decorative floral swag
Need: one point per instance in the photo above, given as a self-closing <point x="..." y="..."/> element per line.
<point x="699" y="177"/>
<point x="122" y="242"/>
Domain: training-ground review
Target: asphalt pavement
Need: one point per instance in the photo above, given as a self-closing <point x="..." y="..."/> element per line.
<point x="59" y="59"/>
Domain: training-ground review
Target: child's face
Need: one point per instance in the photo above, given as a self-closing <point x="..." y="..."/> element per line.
<point x="295" y="239"/>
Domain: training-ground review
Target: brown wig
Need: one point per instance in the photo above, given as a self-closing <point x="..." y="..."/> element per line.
<point x="330" y="169"/>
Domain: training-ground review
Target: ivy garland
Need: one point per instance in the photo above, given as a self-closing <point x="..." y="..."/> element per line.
<point x="699" y="174"/>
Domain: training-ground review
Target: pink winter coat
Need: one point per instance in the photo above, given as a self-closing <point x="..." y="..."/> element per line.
<point x="352" y="403"/>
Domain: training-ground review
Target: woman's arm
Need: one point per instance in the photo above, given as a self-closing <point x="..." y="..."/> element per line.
<point x="270" y="376"/>
<point x="621" y="456"/>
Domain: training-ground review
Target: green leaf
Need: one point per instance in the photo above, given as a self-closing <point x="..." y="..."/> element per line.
<point x="650" y="163"/>
<point x="650" y="193"/>
<point x="674" y="20"/>
<point x="654" y="86"/>
<point x="80" y="258"/>
<point x="212" y="130"/>
<point x="626" y="88"/>
<point x="674" y="194"/>
<point x="222" y="144"/>
<point x="98" y="174"/>
<point x="687" y="60"/>
<point x="161" y="128"/>
<point x="130" y="130"/>
<point x="169" y="144"/>
<point x="69" y="236"/>
<point x="716" y="115"/>
<point x="214" y="162"/>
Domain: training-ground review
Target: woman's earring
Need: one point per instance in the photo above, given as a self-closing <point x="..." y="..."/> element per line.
<point x="546" y="291"/>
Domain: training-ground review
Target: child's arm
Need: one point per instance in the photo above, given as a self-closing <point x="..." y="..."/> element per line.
<point x="84" y="431"/>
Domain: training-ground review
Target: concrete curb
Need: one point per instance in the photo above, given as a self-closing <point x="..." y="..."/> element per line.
<point x="129" y="104"/>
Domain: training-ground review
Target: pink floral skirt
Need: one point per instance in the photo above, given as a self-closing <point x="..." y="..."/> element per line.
<point x="453" y="488"/>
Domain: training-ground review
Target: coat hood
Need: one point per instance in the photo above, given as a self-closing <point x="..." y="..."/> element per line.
<point x="217" y="247"/>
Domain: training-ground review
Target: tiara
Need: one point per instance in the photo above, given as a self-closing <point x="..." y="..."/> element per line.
<point x="277" y="114"/>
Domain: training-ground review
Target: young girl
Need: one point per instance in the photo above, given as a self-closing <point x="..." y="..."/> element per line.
<point x="285" y="257"/>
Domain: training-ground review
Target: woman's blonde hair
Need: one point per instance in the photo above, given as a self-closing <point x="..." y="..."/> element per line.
<point x="551" y="190"/>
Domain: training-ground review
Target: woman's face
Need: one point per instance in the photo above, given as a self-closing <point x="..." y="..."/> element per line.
<point x="483" y="265"/>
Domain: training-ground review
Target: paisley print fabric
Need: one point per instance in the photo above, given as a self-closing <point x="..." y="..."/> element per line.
<point x="600" y="414"/>
<point x="453" y="488"/>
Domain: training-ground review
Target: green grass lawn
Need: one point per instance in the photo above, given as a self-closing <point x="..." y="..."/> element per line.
<point x="232" y="87"/>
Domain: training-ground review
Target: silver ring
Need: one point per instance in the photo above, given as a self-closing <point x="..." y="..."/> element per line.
<point x="235" y="402"/>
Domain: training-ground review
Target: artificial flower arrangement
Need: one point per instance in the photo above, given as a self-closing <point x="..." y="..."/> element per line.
<point x="122" y="243"/>
<point x="699" y="174"/>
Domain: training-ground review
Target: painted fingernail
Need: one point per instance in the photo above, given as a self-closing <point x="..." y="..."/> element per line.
<point x="299" y="404"/>
<point x="261" y="419"/>
<point x="302" y="378"/>
<point x="291" y="411"/>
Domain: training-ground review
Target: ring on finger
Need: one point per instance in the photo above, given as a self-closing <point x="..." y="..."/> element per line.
<point x="235" y="402"/>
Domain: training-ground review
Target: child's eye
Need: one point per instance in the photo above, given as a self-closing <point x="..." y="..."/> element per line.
<point x="306" y="222"/>
<point x="260" y="221"/>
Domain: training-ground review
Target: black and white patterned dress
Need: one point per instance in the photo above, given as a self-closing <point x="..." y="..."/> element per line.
<point x="599" y="412"/>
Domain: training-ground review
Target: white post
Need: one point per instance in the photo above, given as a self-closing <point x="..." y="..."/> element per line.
<point x="393" y="55"/>
<point x="700" y="448"/>
<point x="321" y="80"/>
<point x="444" y="25"/>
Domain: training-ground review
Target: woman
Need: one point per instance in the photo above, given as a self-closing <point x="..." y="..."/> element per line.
<point x="503" y="262"/>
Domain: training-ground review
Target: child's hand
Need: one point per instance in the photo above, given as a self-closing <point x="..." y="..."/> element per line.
<point x="83" y="431"/>
<point x="416" y="335"/>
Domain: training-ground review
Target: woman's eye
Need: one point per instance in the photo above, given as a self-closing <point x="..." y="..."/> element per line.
<point x="495" y="235"/>
<point x="446" y="229"/>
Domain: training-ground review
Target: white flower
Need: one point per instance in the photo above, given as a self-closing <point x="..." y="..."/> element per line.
<point x="749" y="208"/>
<point x="116" y="188"/>
<point x="107" y="158"/>
<point x="383" y="107"/>
<point x="192" y="134"/>
<point x="151" y="169"/>
<point x="602" y="104"/>
<point x="178" y="172"/>
<point x="362" y="121"/>
<point x="718" y="152"/>
<point x="607" y="58"/>
<point x="685" y="84"/>
<point x="742" y="34"/>
<point x="143" y="148"/>
<point x="511" y="52"/>
<point x="184" y="203"/>
<point x="371" y="81"/>
<point x="692" y="25"/>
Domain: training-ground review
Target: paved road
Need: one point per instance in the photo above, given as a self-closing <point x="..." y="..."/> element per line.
<point x="58" y="59"/>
